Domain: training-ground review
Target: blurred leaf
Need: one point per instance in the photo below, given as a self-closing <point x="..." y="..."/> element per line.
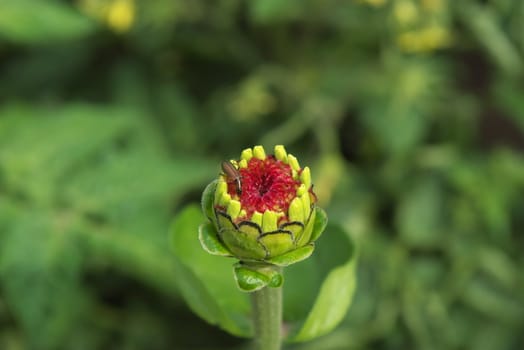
<point x="99" y="180"/>
<point x="33" y="166"/>
<point x="397" y="110"/>
<point x="38" y="73"/>
<point x="139" y="256"/>
<point x="107" y="187"/>
<point x="419" y="213"/>
<point x="487" y="300"/>
<point x="483" y="22"/>
<point x="41" y="22"/>
<point x="510" y="98"/>
<point x="267" y="11"/>
<point x="40" y="275"/>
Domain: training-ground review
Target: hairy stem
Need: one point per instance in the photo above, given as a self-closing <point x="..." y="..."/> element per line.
<point x="267" y="317"/>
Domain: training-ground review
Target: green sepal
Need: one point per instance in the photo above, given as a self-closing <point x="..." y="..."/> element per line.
<point x="277" y="242"/>
<point x="277" y="279"/>
<point x="224" y="221"/>
<point x="243" y="244"/>
<point x="207" y="200"/>
<point x="321" y="221"/>
<point x="305" y="237"/>
<point x="294" y="227"/>
<point x="293" y="256"/>
<point x="251" y="278"/>
<point x="208" y="238"/>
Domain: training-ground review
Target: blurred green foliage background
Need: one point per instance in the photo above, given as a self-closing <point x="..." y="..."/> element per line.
<point x="115" y="114"/>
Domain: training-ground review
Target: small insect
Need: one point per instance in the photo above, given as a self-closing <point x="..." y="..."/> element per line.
<point x="232" y="173"/>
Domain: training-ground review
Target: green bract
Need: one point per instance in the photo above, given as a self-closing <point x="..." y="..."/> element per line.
<point x="263" y="212"/>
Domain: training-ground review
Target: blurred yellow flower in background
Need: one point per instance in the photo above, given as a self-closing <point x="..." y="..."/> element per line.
<point x="422" y="26"/>
<point x="427" y="39"/>
<point x="119" y="15"/>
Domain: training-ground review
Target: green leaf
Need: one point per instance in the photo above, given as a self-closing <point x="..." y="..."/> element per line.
<point x="330" y="279"/>
<point x="209" y="240"/>
<point x="321" y="221"/>
<point x="41" y="22"/>
<point x="206" y="281"/>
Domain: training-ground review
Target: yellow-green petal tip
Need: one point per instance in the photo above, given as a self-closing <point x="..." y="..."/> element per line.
<point x="280" y="153"/>
<point x="305" y="177"/>
<point x="269" y="221"/>
<point x="246" y="154"/>
<point x="233" y="209"/>
<point x="259" y="152"/>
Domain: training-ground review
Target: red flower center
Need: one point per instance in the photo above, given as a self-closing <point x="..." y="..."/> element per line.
<point x="265" y="185"/>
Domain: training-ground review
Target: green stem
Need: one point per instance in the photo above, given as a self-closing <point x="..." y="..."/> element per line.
<point x="267" y="317"/>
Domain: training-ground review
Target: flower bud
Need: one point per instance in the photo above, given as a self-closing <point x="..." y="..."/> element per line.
<point x="263" y="209"/>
